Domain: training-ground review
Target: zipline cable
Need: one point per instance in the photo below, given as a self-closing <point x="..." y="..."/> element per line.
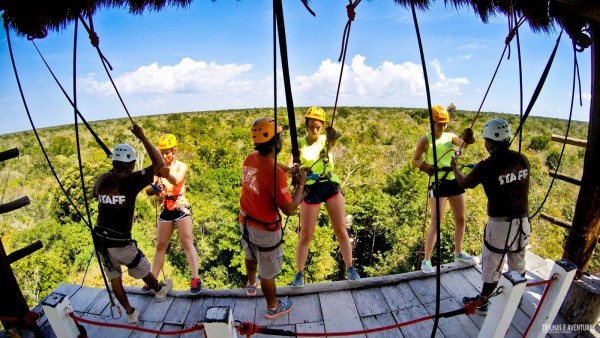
<point x="435" y="160"/>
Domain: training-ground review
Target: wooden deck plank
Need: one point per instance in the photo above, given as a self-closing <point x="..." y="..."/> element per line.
<point x="421" y="329"/>
<point x="307" y="309"/>
<point x="197" y="311"/>
<point x="245" y="309"/>
<point x="291" y="328"/>
<point x="315" y="327"/>
<point x="67" y="289"/>
<point x="261" y="308"/>
<point x="379" y="321"/>
<point x="425" y="289"/>
<point x="156" y="311"/>
<point x="84" y="297"/>
<point x="99" y="304"/>
<point x="337" y="305"/>
<point x="457" y="326"/>
<point x="178" y="311"/>
<point x="400" y="296"/>
<point x="474" y="278"/>
<point x="370" y="302"/>
<point x="458" y="286"/>
<point x="171" y="327"/>
<point x="147" y="325"/>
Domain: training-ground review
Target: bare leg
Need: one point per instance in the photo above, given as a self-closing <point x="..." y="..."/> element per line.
<point x="337" y="215"/>
<point x="269" y="289"/>
<point x="152" y="282"/>
<point x="164" y="230"/>
<point x="432" y="233"/>
<point x="458" y="206"/>
<point x="119" y="291"/>
<point x="308" y="220"/>
<point x="184" y="227"/>
<point x="251" y="266"/>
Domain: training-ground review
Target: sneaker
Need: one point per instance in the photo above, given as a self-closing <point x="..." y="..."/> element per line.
<point x="426" y="266"/>
<point x="196" y="286"/>
<point x="352" y="275"/>
<point x="481" y="309"/>
<point x="283" y="307"/>
<point x="251" y="288"/>
<point x="298" y="281"/>
<point x="161" y="294"/>
<point x="463" y="256"/>
<point x="132" y="318"/>
<point x="146" y="288"/>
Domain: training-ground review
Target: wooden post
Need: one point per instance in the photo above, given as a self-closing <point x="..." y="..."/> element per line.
<point x="582" y="304"/>
<point x="555" y="295"/>
<point x="218" y="322"/>
<point x="56" y="307"/>
<point x="569" y="140"/>
<point x="582" y="239"/>
<point x="504" y="306"/>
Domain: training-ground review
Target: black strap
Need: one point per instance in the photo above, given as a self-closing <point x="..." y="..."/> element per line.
<point x="136" y="261"/>
<point x="501" y="251"/>
<point x="246" y="237"/>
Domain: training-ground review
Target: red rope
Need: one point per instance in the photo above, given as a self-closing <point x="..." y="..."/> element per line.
<point x="248" y="328"/>
<point x="537" y="309"/>
<point x="30" y="318"/>
<point x="196" y="327"/>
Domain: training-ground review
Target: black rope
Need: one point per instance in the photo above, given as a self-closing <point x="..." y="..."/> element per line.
<point x="575" y="77"/>
<point x="77" y="112"/>
<point x="278" y="8"/>
<point x="539" y="86"/>
<point x="12" y="59"/>
<point x="437" y="198"/>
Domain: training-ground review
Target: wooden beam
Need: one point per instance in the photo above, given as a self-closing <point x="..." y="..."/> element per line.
<point x="556" y="220"/>
<point x="580" y="245"/>
<point x="570" y="140"/>
<point x="566" y="178"/>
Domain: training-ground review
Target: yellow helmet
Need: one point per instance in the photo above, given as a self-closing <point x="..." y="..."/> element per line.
<point x="315" y="113"/>
<point x="167" y="141"/>
<point x="440" y="114"/>
<point x="263" y="130"/>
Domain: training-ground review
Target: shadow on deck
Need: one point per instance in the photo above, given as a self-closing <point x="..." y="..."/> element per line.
<point x="324" y="307"/>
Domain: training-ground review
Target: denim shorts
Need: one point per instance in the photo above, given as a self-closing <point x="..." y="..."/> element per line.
<point x="320" y="192"/>
<point x="448" y="188"/>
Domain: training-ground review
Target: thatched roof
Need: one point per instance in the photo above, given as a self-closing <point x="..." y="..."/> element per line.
<point x="36" y="17"/>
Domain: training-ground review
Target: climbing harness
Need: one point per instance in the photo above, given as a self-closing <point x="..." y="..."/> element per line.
<point x="268" y="226"/>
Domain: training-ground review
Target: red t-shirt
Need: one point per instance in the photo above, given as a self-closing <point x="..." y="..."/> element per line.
<point x="257" y="198"/>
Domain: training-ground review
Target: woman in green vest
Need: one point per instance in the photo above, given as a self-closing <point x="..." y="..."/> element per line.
<point x="323" y="186"/>
<point x="449" y="191"/>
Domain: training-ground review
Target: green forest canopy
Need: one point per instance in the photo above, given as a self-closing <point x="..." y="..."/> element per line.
<point x="385" y="195"/>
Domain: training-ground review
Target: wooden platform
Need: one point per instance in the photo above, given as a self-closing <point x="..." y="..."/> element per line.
<point x="325" y="307"/>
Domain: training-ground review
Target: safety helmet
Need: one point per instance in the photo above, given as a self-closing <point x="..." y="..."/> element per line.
<point x="315" y="113"/>
<point x="497" y="130"/>
<point x="440" y="114"/>
<point x="167" y="141"/>
<point x="123" y="153"/>
<point x="262" y="130"/>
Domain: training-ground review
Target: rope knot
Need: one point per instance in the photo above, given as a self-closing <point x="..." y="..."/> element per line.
<point x="510" y="36"/>
<point x="94" y="39"/>
<point x="351" y="13"/>
<point x="248" y="329"/>
<point x="471" y="307"/>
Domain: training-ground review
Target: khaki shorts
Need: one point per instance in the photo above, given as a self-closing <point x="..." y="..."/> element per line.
<point x="495" y="234"/>
<point x="122" y="256"/>
<point x="269" y="262"/>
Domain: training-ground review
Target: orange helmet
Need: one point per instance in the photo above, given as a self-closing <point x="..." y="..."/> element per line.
<point x="262" y="130"/>
<point x="440" y="114"/>
<point x="315" y="113"/>
<point x="167" y="141"/>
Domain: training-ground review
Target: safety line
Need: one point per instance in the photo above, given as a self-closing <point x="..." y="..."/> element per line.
<point x="537" y="309"/>
<point x="196" y="327"/>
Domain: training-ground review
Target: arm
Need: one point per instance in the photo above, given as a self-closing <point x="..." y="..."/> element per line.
<point x="289" y="208"/>
<point x="178" y="175"/>
<point x="150" y="190"/>
<point x="465" y="140"/>
<point x="422" y="147"/>
<point x="460" y="178"/>
<point x="157" y="161"/>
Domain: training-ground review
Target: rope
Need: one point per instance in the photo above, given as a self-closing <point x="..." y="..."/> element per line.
<point x="575" y="76"/>
<point x="248" y="328"/>
<point x="196" y="327"/>
<point x="30" y="318"/>
<point x="537" y="309"/>
<point x="305" y="3"/>
<point x="95" y="41"/>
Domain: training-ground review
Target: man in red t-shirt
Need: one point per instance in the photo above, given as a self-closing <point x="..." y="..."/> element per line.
<point x="264" y="193"/>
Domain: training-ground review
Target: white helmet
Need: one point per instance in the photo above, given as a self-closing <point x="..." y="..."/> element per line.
<point x="497" y="130"/>
<point x="123" y="153"/>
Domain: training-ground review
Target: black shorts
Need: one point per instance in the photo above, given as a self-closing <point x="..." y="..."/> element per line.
<point x="176" y="214"/>
<point x="321" y="192"/>
<point x="448" y="188"/>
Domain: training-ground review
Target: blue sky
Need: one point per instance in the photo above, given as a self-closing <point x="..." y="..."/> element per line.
<point x="219" y="55"/>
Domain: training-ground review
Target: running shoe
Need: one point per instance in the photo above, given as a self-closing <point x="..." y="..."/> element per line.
<point x="283" y="307"/>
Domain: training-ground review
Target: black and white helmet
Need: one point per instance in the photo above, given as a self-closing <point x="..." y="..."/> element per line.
<point x="123" y="153"/>
<point x="497" y="130"/>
